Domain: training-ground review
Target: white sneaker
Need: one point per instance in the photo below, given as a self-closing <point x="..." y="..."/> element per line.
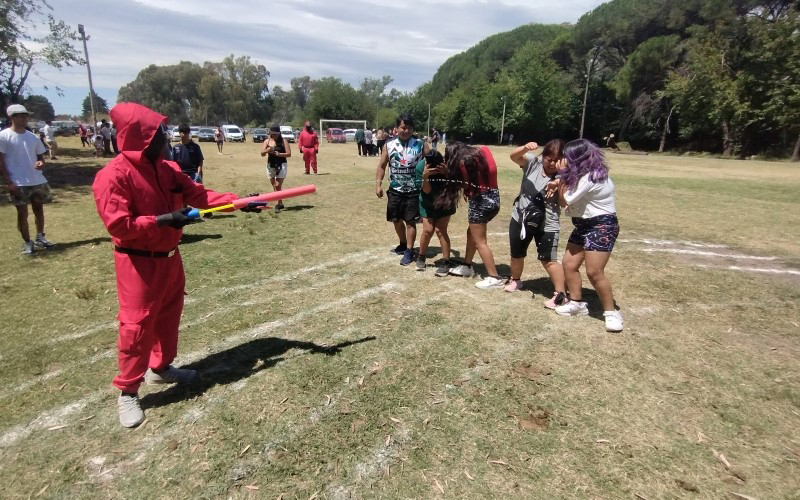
<point x="572" y="308"/>
<point x="462" y="270"/>
<point x="490" y="282"/>
<point x="171" y="375"/>
<point x="613" y="321"/>
<point x="27" y="248"/>
<point x="42" y="242"/>
<point x="130" y="412"/>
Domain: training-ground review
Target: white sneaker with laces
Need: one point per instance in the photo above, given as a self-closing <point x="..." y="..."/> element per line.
<point x="572" y="308"/>
<point x="490" y="282"/>
<point x="130" y="412"/>
<point x="613" y="321"/>
<point x="27" y="248"/>
<point x="462" y="270"/>
<point x="171" y="375"/>
<point x="42" y="242"/>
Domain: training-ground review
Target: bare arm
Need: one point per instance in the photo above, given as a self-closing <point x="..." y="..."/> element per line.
<point x="518" y="155"/>
<point x="6" y="175"/>
<point x="265" y="148"/>
<point x="380" y="172"/>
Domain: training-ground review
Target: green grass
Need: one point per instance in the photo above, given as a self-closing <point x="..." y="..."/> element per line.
<point x="366" y="379"/>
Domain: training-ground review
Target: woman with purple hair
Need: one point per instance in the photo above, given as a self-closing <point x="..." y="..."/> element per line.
<point x="588" y="193"/>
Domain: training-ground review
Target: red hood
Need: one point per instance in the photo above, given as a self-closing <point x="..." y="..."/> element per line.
<point x="136" y="126"/>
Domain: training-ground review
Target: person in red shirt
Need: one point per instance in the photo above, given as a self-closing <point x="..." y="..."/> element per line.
<point x="139" y="197"/>
<point x="309" y="147"/>
<point x="478" y="174"/>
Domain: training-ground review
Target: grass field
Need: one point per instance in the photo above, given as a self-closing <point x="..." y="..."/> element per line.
<point x="329" y="371"/>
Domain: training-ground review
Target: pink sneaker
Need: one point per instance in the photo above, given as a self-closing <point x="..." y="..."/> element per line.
<point x="558" y="298"/>
<point x="513" y="285"/>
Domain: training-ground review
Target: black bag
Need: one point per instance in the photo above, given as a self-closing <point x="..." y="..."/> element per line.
<point x="533" y="214"/>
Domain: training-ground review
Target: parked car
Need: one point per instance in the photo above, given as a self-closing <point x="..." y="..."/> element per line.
<point x="233" y="133"/>
<point x="194" y="130"/>
<point x="259" y="134"/>
<point x="287" y="133"/>
<point x="176" y="136"/>
<point x="205" y="135"/>
<point x="335" y="135"/>
<point x="350" y="134"/>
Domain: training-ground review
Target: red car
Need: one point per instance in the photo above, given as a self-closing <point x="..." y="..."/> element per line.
<point x="335" y="135"/>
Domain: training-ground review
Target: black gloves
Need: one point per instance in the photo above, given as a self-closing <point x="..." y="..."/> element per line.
<point x="254" y="207"/>
<point x="176" y="219"/>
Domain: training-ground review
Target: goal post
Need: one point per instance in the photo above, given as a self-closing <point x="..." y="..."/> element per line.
<point x="350" y="122"/>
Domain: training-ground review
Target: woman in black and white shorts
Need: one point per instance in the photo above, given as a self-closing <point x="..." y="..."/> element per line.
<point x="588" y="193"/>
<point x="478" y="172"/>
<point x="535" y="217"/>
<point x="277" y="151"/>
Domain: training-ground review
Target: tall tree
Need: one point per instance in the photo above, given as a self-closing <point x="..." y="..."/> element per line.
<point x="39" y="107"/>
<point x="29" y="36"/>
<point x="100" y="106"/>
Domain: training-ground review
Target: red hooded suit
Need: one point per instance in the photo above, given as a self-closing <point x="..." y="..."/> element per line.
<point x="309" y="146"/>
<point x="130" y="192"/>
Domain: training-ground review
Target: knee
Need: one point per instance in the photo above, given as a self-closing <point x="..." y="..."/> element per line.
<point x="595" y="274"/>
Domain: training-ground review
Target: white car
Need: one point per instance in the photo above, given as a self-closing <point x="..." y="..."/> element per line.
<point x="350" y="134"/>
<point x="232" y="133"/>
<point x="176" y="136"/>
<point x="287" y="133"/>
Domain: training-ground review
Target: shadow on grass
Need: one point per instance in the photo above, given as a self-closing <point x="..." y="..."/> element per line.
<point x="59" y="247"/>
<point x="296" y="208"/>
<point x="187" y="239"/>
<point x="237" y="363"/>
<point x="542" y="289"/>
<point x="437" y="251"/>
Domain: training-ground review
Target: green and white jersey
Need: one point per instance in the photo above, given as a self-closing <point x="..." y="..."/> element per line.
<point x="403" y="160"/>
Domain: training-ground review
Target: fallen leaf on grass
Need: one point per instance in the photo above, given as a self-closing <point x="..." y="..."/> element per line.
<point x="425" y="422"/>
<point x="244" y="450"/>
<point x="84" y="419"/>
<point x="56" y="428"/>
<point x="687" y="485"/>
<point x="388" y="440"/>
<point x="344" y="409"/>
<point x="284" y="400"/>
<point x="602" y="441"/>
<point x="171" y="445"/>
<point x="375" y="368"/>
<point x="396" y="420"/>
<point x="466" y="473"/>
<point x="472" y="362"/>
<point x="251" y="487"/>
<point x="497" y="462"/>
<point x="438" y="485"/>
<point x="640" y="497"/>
<point x="437" y="402"/>
<point x="41" y="492"/>
<point x="62" y="386"/>
<point x="141" y="425"/>
<point x="719" y="456"/>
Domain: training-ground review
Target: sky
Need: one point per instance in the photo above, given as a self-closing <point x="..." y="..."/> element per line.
<point x="351" y="39"/>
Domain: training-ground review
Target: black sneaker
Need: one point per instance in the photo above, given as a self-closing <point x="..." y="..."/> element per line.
<point x="443" y="268"/>
<point x="421" y="263"/>
<point x="399" y="249"/>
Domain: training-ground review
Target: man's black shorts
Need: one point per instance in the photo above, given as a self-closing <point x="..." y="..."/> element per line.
<point x="402" y="207"/>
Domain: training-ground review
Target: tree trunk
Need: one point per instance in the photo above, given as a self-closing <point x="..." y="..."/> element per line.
<point x="727" y="143"/>
<point x="666" y="131"/>
<point x="796" y="154"/>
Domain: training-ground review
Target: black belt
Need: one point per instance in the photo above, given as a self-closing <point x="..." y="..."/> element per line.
<point x="144" y="253"/>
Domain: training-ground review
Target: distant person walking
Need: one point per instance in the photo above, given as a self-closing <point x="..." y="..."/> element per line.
<point x="50" y="139"/>
<point x="367" y="142"/>
<point x="105" y="131"/>
<point x="219" y="138"/>
<point x="380" y="140"/>
<point x="435" y="139"/>
<point x="83" y="133"/>
<point x="308" y="142"/>
<point x="188" y="155"/>
<point x="21" y="164"/>
<point x="360" y="142"/>
<point x="113" y="130"/>
<point x="277" y="150"/>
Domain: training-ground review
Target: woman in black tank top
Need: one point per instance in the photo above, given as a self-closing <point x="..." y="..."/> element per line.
<point x="277" y="151"/>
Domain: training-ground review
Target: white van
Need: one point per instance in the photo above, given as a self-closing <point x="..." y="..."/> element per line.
<point x="232" y="133"/>
<point x="287" y="133"/>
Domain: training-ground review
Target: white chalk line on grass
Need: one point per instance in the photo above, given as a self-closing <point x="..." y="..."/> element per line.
<point x="647" y="241"/>
<point x="363" y="255"/>
<point x="703" y="253"/>
<point x="47" y="418"/>
<point x="193" y="415"/>
<point x="751" y="269"/>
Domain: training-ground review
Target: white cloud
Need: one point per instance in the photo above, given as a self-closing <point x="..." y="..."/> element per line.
<point x="350" y="40"/>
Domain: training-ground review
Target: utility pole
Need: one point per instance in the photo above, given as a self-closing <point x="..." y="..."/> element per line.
<point x="586" y="91"/>
<point x="503" y="121"/>
<point x="85" y="38"/>
<point x="428" y="133"/>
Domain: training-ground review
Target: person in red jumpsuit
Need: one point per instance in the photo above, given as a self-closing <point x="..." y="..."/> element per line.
<point x="309" y="147"/>
<point x="140" y="198"/>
